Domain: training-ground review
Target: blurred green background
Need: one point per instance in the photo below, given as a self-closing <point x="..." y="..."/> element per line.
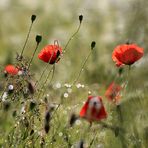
<point x="108" y="22"/>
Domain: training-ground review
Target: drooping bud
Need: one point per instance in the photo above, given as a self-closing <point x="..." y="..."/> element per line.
<point x="73" y="119"/>
<point x="32" y="105"/>
<point x="80" y="18"/>
<point x="33" y="17"/>
<point x="46" y="127"/>
<point x="93" y="44"/>
<point x="38" y="39"/>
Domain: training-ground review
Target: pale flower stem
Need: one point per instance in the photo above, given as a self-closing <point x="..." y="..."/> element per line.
<point x="82" y="67"/>
<point x="74" y="34"/>
<point x="33" y="56"/>
<point x="26" y="40"/>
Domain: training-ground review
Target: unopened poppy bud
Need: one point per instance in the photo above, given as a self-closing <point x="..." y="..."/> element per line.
<point x="14" y="113"/>
<point x="32" y="105"/>
<point x="32" y="131"/>
<point x="38" y="39"/>
<point x="81" y="144"/>
<point x="93" y="44"/>
<point x="46" y="128"/>
<point x="33" y="17"/>
<point x="31" y="88"/>
<point x="73" y="119"/>
<point x="80" y="18"/>
<point x="6" y="106"/>
<point x="47" y="116"/>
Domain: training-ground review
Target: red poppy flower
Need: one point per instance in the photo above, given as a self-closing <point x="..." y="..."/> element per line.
<point x="127" y="54"/>
<point x="50" y="53"/>
<point x="113" y="92"/>
<point x="10" y="69"/>
<point x="93" y="109"/>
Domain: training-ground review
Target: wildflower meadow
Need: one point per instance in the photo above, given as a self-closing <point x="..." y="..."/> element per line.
<point x="69" y="92"/>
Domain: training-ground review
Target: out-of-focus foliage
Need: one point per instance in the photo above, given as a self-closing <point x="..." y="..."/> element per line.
<point x="109" y="23"/>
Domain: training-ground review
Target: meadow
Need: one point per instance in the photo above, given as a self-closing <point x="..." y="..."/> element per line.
<point x="75" y="77"/>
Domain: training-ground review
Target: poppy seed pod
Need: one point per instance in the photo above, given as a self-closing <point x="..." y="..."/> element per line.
<point x="93" y="44"/>
<point x="80" y="18"/>
<point x="38" y="39"/>
<point x="33" y="17"/>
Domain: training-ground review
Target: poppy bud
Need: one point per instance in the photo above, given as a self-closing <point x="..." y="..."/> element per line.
<point x="47" y="117"/>
<point x="33" y="17"/>
<point x="80" y="18"/>
<point x="6" y="106"/>
<point x="46" y="127"/>
<point x="31" y="88"/>
<point x="42" y="143"/>
<point x="81" y="144"/>
<point x="93" y="44"/>
<point x="32" y="105"/>
<point x="72" y="120"/>
<point x="14" y="113"/>
<point x="32" y="131"/>
<point x="38" y="39"/>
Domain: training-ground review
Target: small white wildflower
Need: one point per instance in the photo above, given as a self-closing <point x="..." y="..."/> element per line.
<point x="65" y="95"/>
<point x="78" y="122"/>
<point x="89" y="92"/>
<point x="69" y="90"/>
<point x="58" y="85"/>
<point x="100" y="146"/>
<point x="82" y="85"/>
<point x="60" y="134"/>
<point x="10" y="87"/>
<point x="78" y="85"/>
<point x="4" y="97"/>
<point x="20" y="72"/>
<point x="47" y="95"/>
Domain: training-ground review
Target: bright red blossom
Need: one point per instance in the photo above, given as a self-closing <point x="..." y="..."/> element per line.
<point x="93" y="109"/>
<point x="113" y="92"/>
<point x="127" y="54"/>
<point x="10" y="69"/>
<point x="50" y="54"/>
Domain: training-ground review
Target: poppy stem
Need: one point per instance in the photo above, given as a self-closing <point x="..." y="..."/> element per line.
<point x="83" y="65"/>
<point x="73" y="35"/>
<point x="45" y="82"/>
<point x="27" y="37"/>
<point x="33" y="56"/>
<point x="37" y="82"/>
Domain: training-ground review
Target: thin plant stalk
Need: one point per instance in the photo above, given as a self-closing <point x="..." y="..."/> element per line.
<point x="82" y="68"/>
<point x="33" y="55"/>
<point x="27" y="37"/>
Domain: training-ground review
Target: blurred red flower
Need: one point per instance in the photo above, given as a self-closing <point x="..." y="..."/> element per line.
<point x="11" y="69"/>
<point x="50" y="54"/>
<point x="113" y="92"/>
<point x="127" y="54"/>
<point x="93" y="109"/>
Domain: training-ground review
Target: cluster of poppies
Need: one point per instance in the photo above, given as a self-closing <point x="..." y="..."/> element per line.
<point x="93" y="109"/>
